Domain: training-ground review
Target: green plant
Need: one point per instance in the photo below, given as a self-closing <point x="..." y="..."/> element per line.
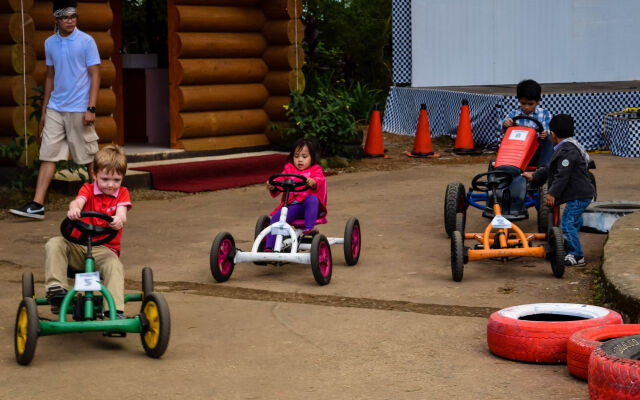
<point x="324" y="117"/>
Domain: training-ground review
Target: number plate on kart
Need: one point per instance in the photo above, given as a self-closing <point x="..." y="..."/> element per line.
<point x="518" y="134"/>
<point x="278" y="229"/>
<point x="499" y="222"/>
<point x="87" y="282"/>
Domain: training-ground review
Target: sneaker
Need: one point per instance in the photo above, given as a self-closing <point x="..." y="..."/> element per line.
<point x="55" y="294"/>
<point x="29" y="210"/>
<point x="310" y="232"/>
<point x="572" y="261"/>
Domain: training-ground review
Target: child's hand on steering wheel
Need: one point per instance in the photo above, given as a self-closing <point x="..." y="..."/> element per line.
<point x="117" y="223"/>
<point x="544" y="134"/>
<point x="270" y="187"/>
<point x="74" y="213"/>
<point x="311" y="183"/>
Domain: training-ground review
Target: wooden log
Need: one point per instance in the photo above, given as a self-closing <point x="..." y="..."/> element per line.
<point x="219" y="19"/>
<point x="10" y="6"/>
<point x="236" y="3"/>
<point x="284" y="57"/>
<point x="106" y="129"/>
<point x="205" y="71"/>
<point x="11" y="59"/>
<point x="282" y="9"/>
<point x="11" y="28"/>
<point x="281" y="83"/>
<point x="283" y="31"/>
<point x="276" y="130"/>
<point x="91" y="16"/>
<point x="220" y="45"/>
<point x="106" y="103"/>
<point x="225" y="142"/>
<point x="107" y="72"/>
<point x="222" y="97"/>
<point x="103" y="41"/>
<point x="12" y="90"/>
<point x="274" y="107"/>
<point x="12" y="121"/>
<point x="222" y="123"/>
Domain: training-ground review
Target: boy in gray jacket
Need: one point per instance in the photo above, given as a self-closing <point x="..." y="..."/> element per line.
<point x="568" y="183"/>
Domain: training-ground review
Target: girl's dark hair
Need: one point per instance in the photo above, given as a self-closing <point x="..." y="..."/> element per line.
<point x="299" y="144"/>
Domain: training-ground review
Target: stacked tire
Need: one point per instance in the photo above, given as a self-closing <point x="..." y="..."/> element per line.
<point x="614" y="369"/>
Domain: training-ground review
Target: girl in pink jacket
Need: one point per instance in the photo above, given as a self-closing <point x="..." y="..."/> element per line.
<point x="310" y="204"/>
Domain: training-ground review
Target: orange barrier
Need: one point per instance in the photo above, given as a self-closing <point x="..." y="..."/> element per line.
<point x="373" y="146"/>
<point x="422" y="146"/>
<point x="464" y="135"/>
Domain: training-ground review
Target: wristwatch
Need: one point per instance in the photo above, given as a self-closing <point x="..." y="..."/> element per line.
<point x="91" y="109"/>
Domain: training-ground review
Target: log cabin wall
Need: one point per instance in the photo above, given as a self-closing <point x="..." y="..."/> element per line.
<point x="17" y="62"/>
<point x="232" y="64"/>
<point x="96" y="19"/>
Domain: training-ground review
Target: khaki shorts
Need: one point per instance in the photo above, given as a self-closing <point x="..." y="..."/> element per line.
<point x="64" y="131"/>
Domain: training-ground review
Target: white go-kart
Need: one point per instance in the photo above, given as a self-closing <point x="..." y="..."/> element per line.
<point x="291" y="244"/>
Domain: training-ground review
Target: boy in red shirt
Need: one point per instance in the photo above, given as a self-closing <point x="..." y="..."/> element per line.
<point x="106" y="196"/>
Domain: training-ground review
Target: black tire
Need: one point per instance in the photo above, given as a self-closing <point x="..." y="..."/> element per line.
<point x="457" y="256"/>
<point x="614" y="368"/>
<point x="321" y="261"/>
<point x="460" y="223"/>
<point x="157" y="330"/>
<point x="221" y="262"/>
<point x="556" y="256"/>
<point x="545" y="214"/>
<point x="455" y="201"/>
<point x="27" y="285"/>
<point x="352" y="241"/>
<point x="147" y="281"/>
<point x="262" y="222"/>
<point x="25" y="334"/>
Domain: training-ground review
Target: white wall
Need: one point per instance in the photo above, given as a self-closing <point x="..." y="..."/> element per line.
<point x="486" y="42"/>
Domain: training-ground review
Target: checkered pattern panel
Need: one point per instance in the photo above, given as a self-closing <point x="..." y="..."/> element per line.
<point x="622" y="135"/>
<point x="587" y="109"/>
<point x="401" y="41"/>
<point x="443" y="107"/>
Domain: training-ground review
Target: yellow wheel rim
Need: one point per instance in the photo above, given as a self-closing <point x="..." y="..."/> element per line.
<point x="152" y="335"/>
<point x="21" y="330"/>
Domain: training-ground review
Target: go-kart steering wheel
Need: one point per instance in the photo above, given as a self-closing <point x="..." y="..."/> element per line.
<point x="539" y="128"/>
<point x="293" y="185"/>
<point x="88" y="231"/>
<point x="501" y="180"/>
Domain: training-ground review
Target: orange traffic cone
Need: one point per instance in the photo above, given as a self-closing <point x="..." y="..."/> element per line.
<point x="422" y="146"/>
<point x="464" y="136"/>
<point x="373" y="147"/>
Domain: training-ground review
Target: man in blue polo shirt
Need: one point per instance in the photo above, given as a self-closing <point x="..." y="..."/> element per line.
<point x="69" y="105"/>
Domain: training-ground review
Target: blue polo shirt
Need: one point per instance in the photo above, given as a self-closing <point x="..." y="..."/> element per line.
<point x="70" y="57"/>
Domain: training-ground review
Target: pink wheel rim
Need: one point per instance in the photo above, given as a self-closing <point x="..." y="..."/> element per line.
<point x="224" y="265"/>
<point x="355" y="241"/>
<point x="324" y="259"/>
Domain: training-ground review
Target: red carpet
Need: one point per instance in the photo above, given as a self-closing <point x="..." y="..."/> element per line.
<point x="215" y="174"/>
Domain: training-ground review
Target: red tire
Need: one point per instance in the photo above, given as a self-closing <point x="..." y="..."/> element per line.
<point x="614" y="371"/>
<point x="539" y="332"/>
<point x="582" y="343"/>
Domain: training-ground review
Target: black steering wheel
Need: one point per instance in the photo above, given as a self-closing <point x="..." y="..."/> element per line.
<point x="495" y="180"/>
<point x="298" y="184"/>
<point x="88" y="231"/>
<point x="539" y="128"/>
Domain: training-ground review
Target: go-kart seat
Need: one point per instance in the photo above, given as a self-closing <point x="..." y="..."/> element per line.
<point x="511" y="199"/>
<point x="299" y="223"/>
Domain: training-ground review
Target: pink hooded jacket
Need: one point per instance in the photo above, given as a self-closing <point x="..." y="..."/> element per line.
<point x="315" y="172"/>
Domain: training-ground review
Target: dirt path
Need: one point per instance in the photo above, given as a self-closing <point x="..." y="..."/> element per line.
<point x="393" y="326"/>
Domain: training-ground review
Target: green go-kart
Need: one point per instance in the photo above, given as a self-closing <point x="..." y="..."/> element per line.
<point x="153" y="323"/>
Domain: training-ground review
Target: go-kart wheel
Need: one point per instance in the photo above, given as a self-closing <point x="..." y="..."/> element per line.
<point x="27" y="285"/>
<point x="460" y="223"/>
<point x="223" y="250"/>
<point x="26" y="331"/>
<point x="457" y="256"/>
<point x="262" y="222"/>
<point x="544" y="211"/>
<point x="556" y="257"/>
<point x="157" y="329"/>
<point x="455" y="202"/>
<point x="321" y="262"/>
<point x="352" y="241"/>
<point x="147" y="281"/>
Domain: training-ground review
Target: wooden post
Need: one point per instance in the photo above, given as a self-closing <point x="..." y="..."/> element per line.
<point x="222" y="97"/>
<point x="220" y="45"/>
<point x="11" y="28"/>
<point x="11" y="59"/>
<point x="12" y="90"/>
<point x="219" y="19"/>
<point x="199" y="71"/>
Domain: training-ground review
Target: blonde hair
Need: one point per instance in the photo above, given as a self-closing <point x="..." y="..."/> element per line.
<point x="110" y="158"/>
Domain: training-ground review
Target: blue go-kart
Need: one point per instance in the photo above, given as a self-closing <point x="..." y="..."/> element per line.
<point x="516" y="150"/>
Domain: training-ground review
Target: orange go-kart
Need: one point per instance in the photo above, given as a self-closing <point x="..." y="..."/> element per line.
<point x="505" y="189"/>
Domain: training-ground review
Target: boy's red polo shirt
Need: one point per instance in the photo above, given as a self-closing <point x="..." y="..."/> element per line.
<point x="104" y="203"/>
